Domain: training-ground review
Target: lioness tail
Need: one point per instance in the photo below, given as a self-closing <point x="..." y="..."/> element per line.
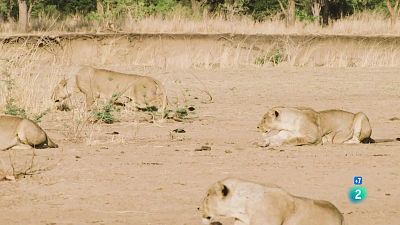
<point x="371" y="141"/>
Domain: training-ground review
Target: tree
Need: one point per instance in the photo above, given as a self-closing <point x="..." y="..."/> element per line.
<point x="393" y="10"/>
<point x="316" y="10"/>
<point x="23" y="15"/>
<point x="289" y="11"/>
<point x="325" y="12"/>
<point x="100" y="7"/>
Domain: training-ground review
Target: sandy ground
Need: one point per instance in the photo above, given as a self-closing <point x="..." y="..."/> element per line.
<point x="143" y="175"/>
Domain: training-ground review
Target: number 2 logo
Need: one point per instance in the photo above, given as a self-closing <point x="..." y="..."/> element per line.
<point x="358" y="194"/>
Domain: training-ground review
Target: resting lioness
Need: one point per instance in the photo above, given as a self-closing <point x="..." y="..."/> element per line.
<point x="302" y="126"/>
<point x="19" y="133"/>
<point x="97" y="83"/>
<point x="256" y="204"/>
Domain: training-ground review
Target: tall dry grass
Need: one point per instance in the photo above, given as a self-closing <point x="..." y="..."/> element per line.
<point x="363" y="23"/>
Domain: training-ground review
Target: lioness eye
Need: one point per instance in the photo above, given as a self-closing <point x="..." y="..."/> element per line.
<point x="57" y="100"/>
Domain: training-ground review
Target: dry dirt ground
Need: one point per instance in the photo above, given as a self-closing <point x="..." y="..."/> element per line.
<point x="145" y="175"/>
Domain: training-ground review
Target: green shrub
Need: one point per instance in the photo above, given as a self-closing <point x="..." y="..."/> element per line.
<point x="12" y="109"/>
<point x="278" y="57"/>
<point x="105" y="113"/>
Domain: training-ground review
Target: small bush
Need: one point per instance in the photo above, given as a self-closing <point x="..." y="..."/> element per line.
<point x="181" y="113"/>
<point x="149" y="109"/>
<point x="39" y="116"/>
<point x="12" y="109"/>
<point x="106" y="112"/>
<point x="261" y="60"/>
<point x="278" y="57"/>
<point x="275" y="57"/>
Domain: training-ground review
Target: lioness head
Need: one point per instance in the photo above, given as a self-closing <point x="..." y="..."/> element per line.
<point x="216" y="203"/>
<point x="270" y="121"/>
<point x="60" y="94"/>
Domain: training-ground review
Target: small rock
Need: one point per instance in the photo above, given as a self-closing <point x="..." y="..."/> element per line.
<point x="179" y="130"/>
<point x="9" y="178"/>
<point x="203" y="148"/>
<point x="216" y="223"/>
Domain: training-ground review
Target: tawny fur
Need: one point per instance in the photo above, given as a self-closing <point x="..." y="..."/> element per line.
<point x="96" y="83"/>
<point x="304" y="126"/>
<point x="19" y="133"/>
<point x="257" y="204"/>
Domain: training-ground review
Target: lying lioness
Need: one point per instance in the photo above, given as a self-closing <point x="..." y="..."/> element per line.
<point x="19" y="133"/>
<point x="256" y="204"/>
<point x="302" y="126"/>
<point x="97" y="83"/>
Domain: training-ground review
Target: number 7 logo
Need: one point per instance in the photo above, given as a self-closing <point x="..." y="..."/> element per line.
<point x="358" y="180"/>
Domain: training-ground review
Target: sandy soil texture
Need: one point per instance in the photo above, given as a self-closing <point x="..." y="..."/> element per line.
<point x="147" y="174"/>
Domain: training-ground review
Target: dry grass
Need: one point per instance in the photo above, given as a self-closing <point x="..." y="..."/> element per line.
<point x="359" y="24"/>
<point x="365" y="23"/>
<point x="35" y="67"/>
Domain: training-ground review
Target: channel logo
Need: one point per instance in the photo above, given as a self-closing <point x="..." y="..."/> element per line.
<point x="358" y="193"/>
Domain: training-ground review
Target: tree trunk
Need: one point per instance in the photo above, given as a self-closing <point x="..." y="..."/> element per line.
<point x="9" y="10"/>
<point x="291" y="13"/>
<point x="22" y="15"/>
<point x="325" y="12"/>
<point x="316" y="10"/>
<point x="99" y="7"/>
<point x="393" y="10"/>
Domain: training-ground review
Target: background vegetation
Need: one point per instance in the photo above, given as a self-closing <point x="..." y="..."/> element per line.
<point x="75" y="15"/>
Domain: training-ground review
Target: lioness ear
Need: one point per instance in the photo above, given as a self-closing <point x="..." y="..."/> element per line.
<point x="276" y="113"/>
<point x="225" y="190"/>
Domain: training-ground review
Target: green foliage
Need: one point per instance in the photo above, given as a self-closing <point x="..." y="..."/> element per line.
<point x="11" y="106"/>
<point x="275" y="57"/>
<point x="106" y="112"/>
<point x="139" y="9"/>
<point x="278" y="57"/>
<point x="304" y="16"/>
<point x="93" y="16"/>
<point x="12" y="109"/>
<point x="3" y="7"/>
<point x="182" y="113"/>
<point x="164" y="6"/>
<point x="149" y="109"/>
<point x="38" y="117"/>
<point x="260" y="60"/>
<point x="260" y="10"/>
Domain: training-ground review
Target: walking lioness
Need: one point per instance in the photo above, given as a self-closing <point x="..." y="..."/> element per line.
<point x="96" y="83"/>
<point x="19" y="133"/>
<point x="256" y="204"/>
<point x="302" y="126"/>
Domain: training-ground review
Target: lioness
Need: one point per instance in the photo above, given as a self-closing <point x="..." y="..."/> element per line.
<point x="302" y="126"/>
<point x="256" y="204"/>
<point x="19" y="133"/>
<point x="97" y="83"/>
